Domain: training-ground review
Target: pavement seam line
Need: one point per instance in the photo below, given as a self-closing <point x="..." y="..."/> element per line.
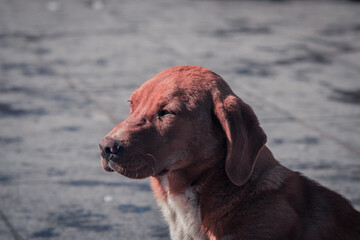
<point x="13" y="231"/>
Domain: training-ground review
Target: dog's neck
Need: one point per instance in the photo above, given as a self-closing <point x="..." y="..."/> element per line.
<point x="181" y="179"/>
<point x="194" y="192"/>
<point x="178" y="182"/>
<point x="265" y="161"/>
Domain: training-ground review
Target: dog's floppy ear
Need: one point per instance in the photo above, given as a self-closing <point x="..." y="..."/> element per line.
<point x="244" y="137"/>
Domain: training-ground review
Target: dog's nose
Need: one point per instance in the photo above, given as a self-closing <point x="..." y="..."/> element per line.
<point x="109" y="146"/>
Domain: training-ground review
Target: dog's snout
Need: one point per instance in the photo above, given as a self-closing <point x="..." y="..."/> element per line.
<point x="110" y="146"/>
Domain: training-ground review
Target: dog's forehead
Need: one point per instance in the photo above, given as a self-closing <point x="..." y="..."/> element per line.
<point x="154" y="90"/>
<point x="178" y="81"/>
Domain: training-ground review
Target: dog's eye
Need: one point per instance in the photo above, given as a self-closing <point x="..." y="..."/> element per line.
<point x="163" y="113"/>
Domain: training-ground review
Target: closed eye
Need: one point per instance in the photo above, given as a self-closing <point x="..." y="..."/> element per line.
<point x="163" y="113"/>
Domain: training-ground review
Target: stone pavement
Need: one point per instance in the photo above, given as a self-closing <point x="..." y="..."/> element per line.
<point x="67" y="68"/>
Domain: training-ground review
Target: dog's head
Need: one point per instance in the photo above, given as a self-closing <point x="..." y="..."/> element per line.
<point x="184" y="117"/>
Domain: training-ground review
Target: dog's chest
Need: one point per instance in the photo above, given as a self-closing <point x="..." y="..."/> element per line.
<point x="181" y="212"/>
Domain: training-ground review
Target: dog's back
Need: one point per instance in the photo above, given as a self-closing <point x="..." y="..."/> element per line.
<point x="324" y="213"/>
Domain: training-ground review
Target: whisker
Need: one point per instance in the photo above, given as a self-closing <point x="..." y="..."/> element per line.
<point x="151" y="156"/>
<point x="178" y="107"/>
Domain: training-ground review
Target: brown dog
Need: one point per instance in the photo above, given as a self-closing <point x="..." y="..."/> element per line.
<point x="210" y="170"/>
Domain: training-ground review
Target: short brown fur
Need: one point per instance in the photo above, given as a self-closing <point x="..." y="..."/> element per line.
<point x="187" y="124"/>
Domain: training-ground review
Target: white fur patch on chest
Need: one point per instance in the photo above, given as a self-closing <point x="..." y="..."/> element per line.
<point x="182" y="213"/>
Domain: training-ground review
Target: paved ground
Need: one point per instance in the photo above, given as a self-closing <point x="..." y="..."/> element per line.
<point x="67" y="68"/>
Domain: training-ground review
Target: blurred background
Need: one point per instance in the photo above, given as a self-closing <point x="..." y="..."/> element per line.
<point x="68" y="67"/>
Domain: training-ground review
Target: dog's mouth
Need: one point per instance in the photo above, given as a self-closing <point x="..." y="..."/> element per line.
<point x="106" y="166"/>
<point x="137" y="167"/>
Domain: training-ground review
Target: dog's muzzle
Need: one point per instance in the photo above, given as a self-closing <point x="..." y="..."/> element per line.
<point x="110" y="150"/>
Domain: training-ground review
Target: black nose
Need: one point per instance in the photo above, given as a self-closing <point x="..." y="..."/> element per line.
<point x="109" y="146"/>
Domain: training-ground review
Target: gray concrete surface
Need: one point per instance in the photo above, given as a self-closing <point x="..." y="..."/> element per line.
<point x="67" y="68"/>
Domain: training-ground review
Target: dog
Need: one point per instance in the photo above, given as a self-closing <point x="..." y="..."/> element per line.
<point x="210" y="171"/>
